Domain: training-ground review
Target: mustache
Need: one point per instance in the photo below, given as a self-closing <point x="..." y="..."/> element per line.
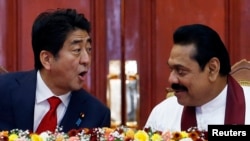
<point x="178" y="87"/>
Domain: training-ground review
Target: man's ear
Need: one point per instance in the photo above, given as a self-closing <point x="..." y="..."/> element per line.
<point x="46" y="59"/>
<point x="214" y="68"/>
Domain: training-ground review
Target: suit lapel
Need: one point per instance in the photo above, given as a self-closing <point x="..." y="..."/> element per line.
<point x="24" y="99"/>
<point x="72" y="118"/>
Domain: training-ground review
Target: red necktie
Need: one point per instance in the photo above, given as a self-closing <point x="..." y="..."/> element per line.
<point x="49" y="121"/>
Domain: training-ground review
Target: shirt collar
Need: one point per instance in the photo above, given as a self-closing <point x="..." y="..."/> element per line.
<point x="43" y="92"/>
<point x="218" y="101"/>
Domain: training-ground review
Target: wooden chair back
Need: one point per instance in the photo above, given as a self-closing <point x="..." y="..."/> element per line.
<point x="241" y="72"/>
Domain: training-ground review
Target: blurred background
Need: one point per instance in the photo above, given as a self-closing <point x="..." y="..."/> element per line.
<point x="131" y="44"/>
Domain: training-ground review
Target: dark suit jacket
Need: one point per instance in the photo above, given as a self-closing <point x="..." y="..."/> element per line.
<point x="17" y="100"/>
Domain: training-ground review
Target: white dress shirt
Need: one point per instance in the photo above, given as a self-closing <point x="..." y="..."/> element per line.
<point x="42" y="105"/>
<point x="167" y="114"/>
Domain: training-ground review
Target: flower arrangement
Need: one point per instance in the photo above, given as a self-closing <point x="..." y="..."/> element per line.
<point x="104" y="134"/>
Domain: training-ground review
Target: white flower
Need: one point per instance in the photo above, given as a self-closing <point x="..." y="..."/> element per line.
<point x="186" y="139"/>
<point x="45" y="136"/>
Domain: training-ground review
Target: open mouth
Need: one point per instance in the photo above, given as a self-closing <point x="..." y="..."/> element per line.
<point x="82" y="74"/>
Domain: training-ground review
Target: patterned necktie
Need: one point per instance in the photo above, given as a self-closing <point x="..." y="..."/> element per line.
<point x="49" y="121"/>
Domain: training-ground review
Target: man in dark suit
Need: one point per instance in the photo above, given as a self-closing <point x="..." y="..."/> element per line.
<point x="62" y="53"/>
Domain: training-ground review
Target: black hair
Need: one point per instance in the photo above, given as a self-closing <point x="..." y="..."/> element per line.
<point x="207" y="43"/>
<point x="50" y="30"/>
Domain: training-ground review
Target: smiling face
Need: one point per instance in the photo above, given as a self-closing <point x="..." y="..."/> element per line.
<point x="192" y="86"/>
<point x="67" y="71"/>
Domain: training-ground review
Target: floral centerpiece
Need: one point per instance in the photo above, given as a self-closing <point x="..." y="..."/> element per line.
<point x="104" y="134"/>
